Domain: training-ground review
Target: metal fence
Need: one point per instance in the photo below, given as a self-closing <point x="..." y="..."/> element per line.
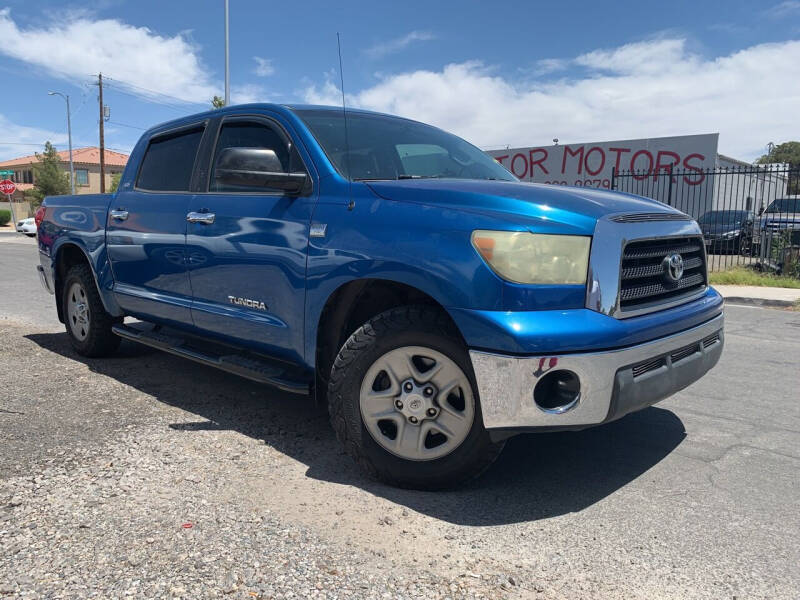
<point x="750" y="215"/>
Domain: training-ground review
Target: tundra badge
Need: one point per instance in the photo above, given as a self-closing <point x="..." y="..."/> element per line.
<point x="247" y="302"/>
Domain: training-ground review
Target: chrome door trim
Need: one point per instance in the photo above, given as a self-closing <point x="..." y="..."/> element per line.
<point x="118" y="214"/>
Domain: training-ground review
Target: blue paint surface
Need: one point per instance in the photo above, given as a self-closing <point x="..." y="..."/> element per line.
<point x="157" y="266"/>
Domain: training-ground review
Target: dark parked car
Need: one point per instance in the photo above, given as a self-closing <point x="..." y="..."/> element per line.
<point x="727" y="231"/>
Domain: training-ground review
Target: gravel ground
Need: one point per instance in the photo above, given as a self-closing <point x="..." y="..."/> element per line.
<point x="148" y="476"/>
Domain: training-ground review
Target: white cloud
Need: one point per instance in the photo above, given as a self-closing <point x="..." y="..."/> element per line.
<point x="784" y="9"/>
<point x="545" y="66"/>
<point x="398" y="44"/>
<point x="80" y="46"/>
<point x="645" y="89"/>
<point x="247" y="93"/>
<point x="639" y="57"/>
<point x="27" y="140"/>
<point x="264" y="67"/>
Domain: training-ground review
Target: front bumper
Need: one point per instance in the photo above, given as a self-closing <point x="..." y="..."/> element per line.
<point x="612" y="383"/>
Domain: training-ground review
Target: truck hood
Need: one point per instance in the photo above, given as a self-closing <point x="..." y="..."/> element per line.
<point x="528" y="204"/>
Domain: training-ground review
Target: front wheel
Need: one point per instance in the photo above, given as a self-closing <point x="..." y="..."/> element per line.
<point x="403" y="401"/>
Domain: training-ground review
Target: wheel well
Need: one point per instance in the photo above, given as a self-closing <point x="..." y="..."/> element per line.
<point x="68" y="256"/>
<point x="354" y="304"/>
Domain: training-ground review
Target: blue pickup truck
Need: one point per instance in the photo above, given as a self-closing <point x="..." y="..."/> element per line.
<point x="391" y="269"/>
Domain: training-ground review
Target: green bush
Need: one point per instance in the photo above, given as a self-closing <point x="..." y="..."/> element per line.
<point x="5" y="217"/>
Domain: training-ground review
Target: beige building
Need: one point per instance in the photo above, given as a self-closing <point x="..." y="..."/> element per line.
<point x="86" y="162"/>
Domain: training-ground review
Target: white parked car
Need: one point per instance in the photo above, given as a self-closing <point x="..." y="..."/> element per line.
<point x="27" y="226"/>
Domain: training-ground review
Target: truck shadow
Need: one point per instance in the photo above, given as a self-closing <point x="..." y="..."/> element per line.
<point x="538" y="476"/>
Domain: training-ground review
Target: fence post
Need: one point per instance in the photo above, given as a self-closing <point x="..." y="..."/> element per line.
<point x="669" y="189"/>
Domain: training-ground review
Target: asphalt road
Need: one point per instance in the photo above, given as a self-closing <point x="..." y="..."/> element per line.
<point x="698" y="497"/>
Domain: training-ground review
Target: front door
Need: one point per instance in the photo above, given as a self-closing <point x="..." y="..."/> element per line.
<point x="146" y="230"/>
<point x="246" y="249"/>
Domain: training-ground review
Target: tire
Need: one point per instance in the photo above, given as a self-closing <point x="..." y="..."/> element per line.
<point x="87" y="322"/>
<point x="31" y="234"/>
<point x="423" y="338"/>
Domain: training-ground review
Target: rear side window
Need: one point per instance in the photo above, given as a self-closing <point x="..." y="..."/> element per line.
<point x="169" y="160"/>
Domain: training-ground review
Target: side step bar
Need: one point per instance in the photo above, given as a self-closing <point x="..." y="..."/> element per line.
<point x="209" y="352"/>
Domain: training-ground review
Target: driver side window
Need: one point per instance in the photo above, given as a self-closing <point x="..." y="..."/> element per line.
<point x="248" y="134"/>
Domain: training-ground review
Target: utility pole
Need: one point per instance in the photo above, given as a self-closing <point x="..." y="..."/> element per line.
<point x="102" y="138"/>
<point x="69" y="135"/>
<point x="227" y="59"/>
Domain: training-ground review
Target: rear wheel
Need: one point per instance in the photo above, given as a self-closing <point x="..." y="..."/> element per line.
<point x="403" y="400"/>
<point x="88" y="324"/>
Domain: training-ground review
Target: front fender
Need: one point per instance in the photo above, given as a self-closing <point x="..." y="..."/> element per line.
<point x="426" y="247"/>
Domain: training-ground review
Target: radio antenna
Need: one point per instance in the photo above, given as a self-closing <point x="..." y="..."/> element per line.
<point x="351" y="204"/>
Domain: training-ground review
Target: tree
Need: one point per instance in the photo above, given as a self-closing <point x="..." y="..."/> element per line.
<point x="48" y="176"/>
<point x="217" y="102"/>
<point x="115" y="182"/>
<point x="786" y="153"/>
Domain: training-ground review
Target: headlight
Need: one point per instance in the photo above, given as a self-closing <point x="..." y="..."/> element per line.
<point x="731" y="234"/>
<point x="523" y="257"/>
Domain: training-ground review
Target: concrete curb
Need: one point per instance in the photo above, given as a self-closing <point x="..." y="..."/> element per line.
<point x="759" y="302"/>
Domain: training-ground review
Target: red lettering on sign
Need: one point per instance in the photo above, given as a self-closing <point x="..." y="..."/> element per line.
<point x="602" y="161"/>
<point x="500" y="159"/>
<point x="619" y="152"/>
<point x="649" y="169"/>
<point x="662" y="166"/>
<point x="691" y="167"/>
<point x="514" y="162"/>
<point x="578" y="152"/>
<point x="539" y="160"/>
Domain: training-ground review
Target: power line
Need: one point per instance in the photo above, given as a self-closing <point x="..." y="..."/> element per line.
<point x="156" y="93"/>
<point x="147" y="99"/>
<point x="126" y="125"/>
<point x="19" y="144"/>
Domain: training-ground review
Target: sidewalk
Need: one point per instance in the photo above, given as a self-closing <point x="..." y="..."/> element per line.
<point x="759" y="296"/>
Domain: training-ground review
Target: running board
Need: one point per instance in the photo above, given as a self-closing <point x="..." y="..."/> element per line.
<point x="256" y="367"/>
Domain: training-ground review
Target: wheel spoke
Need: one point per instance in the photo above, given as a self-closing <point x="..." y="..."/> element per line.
<point x="452" y="423"/>
<point x="408" y="438"/>
<point x="448" y="377"/>
<point x="378" y="406"/>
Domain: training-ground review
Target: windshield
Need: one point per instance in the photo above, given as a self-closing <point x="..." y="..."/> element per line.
<point x="723" y="216"/>
<point x="785" y="205"/>
<point x="383" y="147"/>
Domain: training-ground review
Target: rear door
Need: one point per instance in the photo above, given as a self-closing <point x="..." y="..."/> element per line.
<point x="247" y="257"/>
<point x="146" y="229"/>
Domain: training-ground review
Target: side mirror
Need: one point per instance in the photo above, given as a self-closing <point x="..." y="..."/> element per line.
<point x="256" y="167"/>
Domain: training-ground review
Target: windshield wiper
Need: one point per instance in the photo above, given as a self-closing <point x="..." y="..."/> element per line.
<point x="404" y="176"/>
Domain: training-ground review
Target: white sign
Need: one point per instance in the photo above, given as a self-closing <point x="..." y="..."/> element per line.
<point x="590" y="165"/>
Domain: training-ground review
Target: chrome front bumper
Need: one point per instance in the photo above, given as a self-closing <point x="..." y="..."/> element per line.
<point x="613" y="383"/>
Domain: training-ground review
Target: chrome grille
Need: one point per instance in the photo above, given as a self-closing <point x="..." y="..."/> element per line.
<point x="643" y="280"/>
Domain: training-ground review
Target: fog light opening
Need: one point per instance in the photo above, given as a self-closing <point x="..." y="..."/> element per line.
<point x="557" y="392"/>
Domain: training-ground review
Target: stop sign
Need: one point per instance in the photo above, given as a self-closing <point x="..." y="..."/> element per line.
<point x="7" y="187"/>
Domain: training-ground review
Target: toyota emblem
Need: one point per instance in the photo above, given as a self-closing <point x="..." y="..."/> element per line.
<point x="673" y="267"/>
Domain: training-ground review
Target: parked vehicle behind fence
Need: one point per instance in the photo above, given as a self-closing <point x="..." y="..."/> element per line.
<point x="727" y="231"/>
<point x="396" y="272"/>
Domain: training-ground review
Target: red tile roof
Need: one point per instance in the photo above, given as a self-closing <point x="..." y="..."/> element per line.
<point x="86" y="156"/>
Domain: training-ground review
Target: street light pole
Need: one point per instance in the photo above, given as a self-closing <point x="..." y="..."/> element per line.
<point x="227" y="59"/>
<point x="69" y="136"/>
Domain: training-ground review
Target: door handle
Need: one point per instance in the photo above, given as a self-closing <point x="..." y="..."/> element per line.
<point x="205" y="218"/>
<point x="119" y="214"/>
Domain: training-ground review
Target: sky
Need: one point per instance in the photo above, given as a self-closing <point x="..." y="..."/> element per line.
<point x="499" y="74"/>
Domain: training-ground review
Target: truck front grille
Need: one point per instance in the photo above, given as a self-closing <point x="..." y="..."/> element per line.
<point x="644" y="279"/>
